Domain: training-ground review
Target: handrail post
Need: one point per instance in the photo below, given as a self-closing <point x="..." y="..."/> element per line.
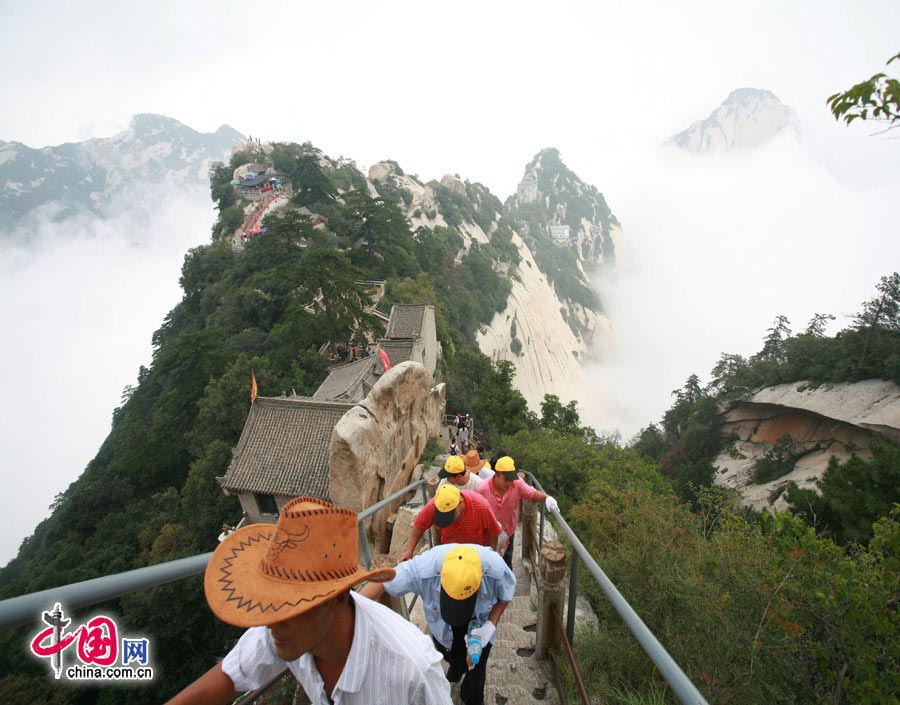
<point x="527" y="530"/>
<point x="551" y="595"/>
<point x="541" y="534"/>
<point x="364" y="544"/>
<point x="430" y="539"/>
<point x="573" y="594"/>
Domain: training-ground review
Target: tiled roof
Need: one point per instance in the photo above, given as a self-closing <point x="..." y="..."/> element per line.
<point x="342" y="379"/>
<point x="398" y="350"/>
<point x="283" y="449"/>
<point x="406" y="321"/>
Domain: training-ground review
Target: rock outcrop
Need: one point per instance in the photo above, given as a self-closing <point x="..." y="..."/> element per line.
<point x="827" y="420"/>
<point x="549" y="359"/>
<point x="553" y="203"/>
<point x="565" y="231"/>
<point x="376" y="445"/>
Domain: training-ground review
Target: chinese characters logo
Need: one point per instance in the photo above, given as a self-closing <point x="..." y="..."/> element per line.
<point x="97" y="646"/>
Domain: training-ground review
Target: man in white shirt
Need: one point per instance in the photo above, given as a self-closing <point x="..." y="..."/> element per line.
<point x="456" y="473"/>
<point x="291" y="583"/>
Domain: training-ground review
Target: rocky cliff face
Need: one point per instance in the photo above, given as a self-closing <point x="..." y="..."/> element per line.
<point x="563" y="231"/>
<point x="552" y="203"/>
<point x="551" y="353"/>
<point x="88" y="177"/>
<point x="748" y="118"/>
<point x="824" y="421"/>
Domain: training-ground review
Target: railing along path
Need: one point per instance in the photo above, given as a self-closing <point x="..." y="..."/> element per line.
<point x="18" y="611"/>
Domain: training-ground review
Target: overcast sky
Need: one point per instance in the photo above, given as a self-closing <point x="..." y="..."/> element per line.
<point x="713" y="249"/>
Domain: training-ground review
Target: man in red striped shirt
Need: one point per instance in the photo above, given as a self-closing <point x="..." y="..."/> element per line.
<point x="460" y="516"/>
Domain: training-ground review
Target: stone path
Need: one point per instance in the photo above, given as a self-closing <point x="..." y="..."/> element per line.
<point x="515" y="676"/>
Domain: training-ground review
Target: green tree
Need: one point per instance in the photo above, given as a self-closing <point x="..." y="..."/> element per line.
<point x="817" y="324"/>
<point x="850" y="496"/>
<point x="380" y="233"/>
<point x="300" y="164"/>
<point x="310" y="184"/>
<point x="485" y="390"/>
<point x="556" y="415"/>
<point x="881" y="312"/>
<point x="877" y="99"/>
<point x="330" y="280"/>
<point x="773" y="344"/>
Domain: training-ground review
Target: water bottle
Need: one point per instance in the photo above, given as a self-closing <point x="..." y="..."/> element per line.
<point x="474" y="647"/>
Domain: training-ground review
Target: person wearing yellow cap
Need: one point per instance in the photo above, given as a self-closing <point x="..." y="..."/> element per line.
<point x="503" y="492"/>
<point x="457" y="584"/>
<point x="460" y="517"/>
<point x="457" y="473"/>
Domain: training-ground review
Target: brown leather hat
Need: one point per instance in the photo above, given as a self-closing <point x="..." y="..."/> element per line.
<point x="472" y="462"/>
<point x="263" y="574"/>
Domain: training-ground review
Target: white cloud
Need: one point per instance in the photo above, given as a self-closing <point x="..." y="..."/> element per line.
<point x="469" y="88"/>
<point x="716" y="247"/>
<point x="78" y="310"/>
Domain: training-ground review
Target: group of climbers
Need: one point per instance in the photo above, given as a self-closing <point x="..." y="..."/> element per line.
<point x="469" y="511"/>
<point x="461" y="435"/>
<point x="290" y="585"/>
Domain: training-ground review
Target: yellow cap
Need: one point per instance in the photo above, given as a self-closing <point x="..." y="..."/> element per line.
<point x="454" y="465"/>
<point x="505" y="464"/>
<point x="461" y="572"/>
<point x="446" y="500"/>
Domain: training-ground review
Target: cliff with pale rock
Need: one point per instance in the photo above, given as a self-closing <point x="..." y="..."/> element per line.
<point x="826" y="420"/>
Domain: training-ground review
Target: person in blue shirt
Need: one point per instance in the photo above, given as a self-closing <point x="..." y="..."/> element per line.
<point x="457" y="583"/>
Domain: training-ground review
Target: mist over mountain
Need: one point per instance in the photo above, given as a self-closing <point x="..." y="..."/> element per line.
<point x="92" y="177"/>
<point x="523" y="294"/>
<point x="747" y="118"/>
<point x="536" y="305"/>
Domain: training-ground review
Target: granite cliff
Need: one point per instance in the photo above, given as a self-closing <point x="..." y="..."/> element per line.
<point x="823" y="421"/>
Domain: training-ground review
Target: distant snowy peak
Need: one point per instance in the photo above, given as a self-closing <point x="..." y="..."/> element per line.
<point x="749" y="117"/>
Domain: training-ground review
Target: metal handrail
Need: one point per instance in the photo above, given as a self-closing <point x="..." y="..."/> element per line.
<point x="17" y="611"/>
<point x="21" y="610"/>
<point x="681" y="685"/>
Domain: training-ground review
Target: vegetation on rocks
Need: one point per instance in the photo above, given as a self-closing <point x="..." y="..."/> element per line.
<point x="150" y="494"/>
<point x="755" y="608"/>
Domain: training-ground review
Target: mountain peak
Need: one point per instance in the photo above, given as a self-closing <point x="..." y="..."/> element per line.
<point x="81" y="177"/>
<point x="148" y="124"/>
<point x="739" y="95"/>
<point x="748" y="117"/>
<point x="552" y="203"/>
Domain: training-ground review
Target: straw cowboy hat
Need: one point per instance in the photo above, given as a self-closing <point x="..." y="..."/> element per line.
<point x="263" y="574"/>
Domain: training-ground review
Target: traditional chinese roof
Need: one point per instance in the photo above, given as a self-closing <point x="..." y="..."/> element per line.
<point x="258" y="179"/>
<point x="407" y="321"/>
<point x="398" y="350"/>
<point x="283" y="449"/>
<point x="342" y="381"/>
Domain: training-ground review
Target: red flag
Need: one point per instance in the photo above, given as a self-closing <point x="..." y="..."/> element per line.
<point x="252" y="387"/>
<point x="384" y="359"/>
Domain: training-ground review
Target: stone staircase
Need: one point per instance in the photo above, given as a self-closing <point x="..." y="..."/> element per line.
<point x="515" y="676"/>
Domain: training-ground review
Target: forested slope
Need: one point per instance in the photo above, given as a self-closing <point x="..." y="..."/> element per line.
<point x="150" y="494"/>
